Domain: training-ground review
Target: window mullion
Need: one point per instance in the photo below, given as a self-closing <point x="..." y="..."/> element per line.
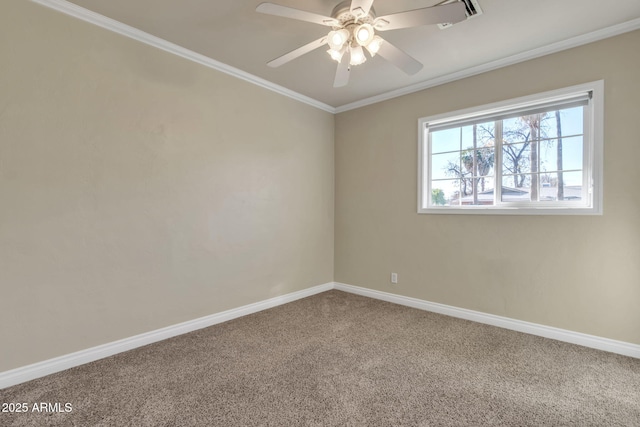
<point x="497" y="172"/>
<point x="460" y="170"/>
<point x="587" y="155"/>
<point x="474" y="167"/>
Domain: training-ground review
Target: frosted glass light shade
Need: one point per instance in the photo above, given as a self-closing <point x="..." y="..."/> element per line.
<point x="375" y="44"/>
<point x="337" y="39"/>
<point x="336" y="55"/>
<point x="364" y="34"/>
<point x="357" y="55"/>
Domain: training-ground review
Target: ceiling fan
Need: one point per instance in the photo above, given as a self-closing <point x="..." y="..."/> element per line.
<point x="354" y="24"/>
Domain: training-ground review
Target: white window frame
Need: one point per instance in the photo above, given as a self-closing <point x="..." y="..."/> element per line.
<point x="592" y="164"/>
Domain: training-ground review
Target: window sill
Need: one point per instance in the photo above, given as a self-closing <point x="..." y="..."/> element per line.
<point x="480" y="210"/>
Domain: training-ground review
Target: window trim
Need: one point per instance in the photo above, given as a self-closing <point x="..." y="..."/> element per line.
<point x="594" y="153"/>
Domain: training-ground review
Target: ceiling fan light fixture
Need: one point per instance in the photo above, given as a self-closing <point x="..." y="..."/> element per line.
<point x="357" y="55"/>
<point x="354" y="26"/>
<point x="336" y="55"/>
<point x="374" y="46"/>
<point x="364" y="34"/>
<point x="338" y="38"/>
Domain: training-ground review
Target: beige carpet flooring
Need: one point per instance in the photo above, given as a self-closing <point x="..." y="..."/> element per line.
<point x="337" y="359"/>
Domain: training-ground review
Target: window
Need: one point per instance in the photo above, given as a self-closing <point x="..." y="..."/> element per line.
<point x="540" y="154"/>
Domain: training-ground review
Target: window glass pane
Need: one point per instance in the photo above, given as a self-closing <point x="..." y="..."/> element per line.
<point x="461" y="192"/>
<point x="445" y="140"/>
<point x="548" y="125"/>
<point x="467" y="137"/>
<point x="516" y="158"/>
<point x="548" y="187"/>
<point x="515" y="130"/>
<point x="571" y="154"/>
<point x="516" y="188"/>
<point x="485" y="189"/>
<point x="442" y="192"/>
<point x="572" y="185"/>
<point x="485" y="161"/>
<point x="548" y="155"/>
<point x="569" y="183"/>
<point x="446" y="165"/>
<point x="485" y="133"/>
<point x="571" y="121"/>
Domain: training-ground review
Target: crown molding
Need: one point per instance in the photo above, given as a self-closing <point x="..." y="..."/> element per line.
<point x="583" y="39"/>
<point x="131" y="32"/>
<point x="86" y="15"/>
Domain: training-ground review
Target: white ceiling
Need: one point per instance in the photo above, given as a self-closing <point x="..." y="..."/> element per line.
<point x="232" y="32"/>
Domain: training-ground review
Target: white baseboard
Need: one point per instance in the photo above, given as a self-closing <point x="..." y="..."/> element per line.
<point x="51" y="366"/>
<point x="591" y="341"/>
<point x="47" y="367"/>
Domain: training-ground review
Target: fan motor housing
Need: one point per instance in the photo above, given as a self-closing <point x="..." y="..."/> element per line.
<point x="342" y="12"/>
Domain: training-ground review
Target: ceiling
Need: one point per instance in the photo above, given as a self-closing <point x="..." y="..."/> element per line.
<point x="232" y="32"/>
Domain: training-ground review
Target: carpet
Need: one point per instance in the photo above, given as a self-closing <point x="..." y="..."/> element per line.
<point x="338" y="359"/>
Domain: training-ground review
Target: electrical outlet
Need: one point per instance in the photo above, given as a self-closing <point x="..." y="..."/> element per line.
<point x="394" y="278"/>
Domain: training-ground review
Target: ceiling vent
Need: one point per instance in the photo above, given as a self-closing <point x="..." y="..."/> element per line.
<point x="472" y="6"/>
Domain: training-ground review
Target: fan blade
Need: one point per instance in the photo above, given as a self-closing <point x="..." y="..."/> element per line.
<point x="361" y="8"/>
<point x="342" y="74"/>
<point x="444" y="14"/>
<point x="399" y="58"/>
<point x="298" y="52"/>
<point x="301" y="15"/>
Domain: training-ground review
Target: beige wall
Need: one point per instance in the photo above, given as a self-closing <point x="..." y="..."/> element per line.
<point x="578" y="273"/>
<point x="139" y="190"/>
